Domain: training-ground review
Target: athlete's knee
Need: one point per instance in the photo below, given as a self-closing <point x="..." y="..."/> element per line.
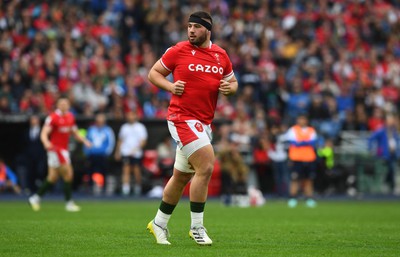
<point x="52" y="179"/>
<point x="68" y="178"/>
<point x="205" y="170"/>
<point x="52" y="176"/>
<point x="67" y="173"/>
<point x="181" y="178"/>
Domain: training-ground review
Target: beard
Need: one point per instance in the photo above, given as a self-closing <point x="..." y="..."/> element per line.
<point x="199" y="40"/>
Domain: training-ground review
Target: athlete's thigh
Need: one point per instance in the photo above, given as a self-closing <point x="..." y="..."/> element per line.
<point x="182" y="177"/>
<point x="66" y="172"/>
<point x="190" y="135"/>
<point x="52" y="174"/>
<point x="202" y="158"/>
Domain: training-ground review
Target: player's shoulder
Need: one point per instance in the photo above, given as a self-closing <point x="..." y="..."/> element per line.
<point x="183" y="44"/>
<point x="53" y="116"/>
<point x="70" y="116"/>
<point x="178" y="46"/>
<point x="217" y="48"/>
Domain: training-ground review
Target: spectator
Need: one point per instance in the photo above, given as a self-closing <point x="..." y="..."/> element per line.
<point x="234" y="173"/>
<point x="132" y="139"/>
<point x="8" y="179"/>
<point x="302" y="139"/>
<point x="242" y="131"/>
<point x="387" y="142"/>
<point x="361" y="118"/>
<point x="166" y="156"/>
<point x="33" y="158"/>
<point x="376" y="121"/>
<point x="329" y="180"/>
<point x="103" y="141"/>
<point x="262" y="165"/>
<point x="298" y="101"/>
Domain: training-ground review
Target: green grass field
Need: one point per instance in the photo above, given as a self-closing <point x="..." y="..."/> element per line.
<point x="106" y="228"/>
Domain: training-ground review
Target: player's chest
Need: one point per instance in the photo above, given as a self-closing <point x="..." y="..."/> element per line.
<point x="64" y="124"/>
<point x="196" y="63"/>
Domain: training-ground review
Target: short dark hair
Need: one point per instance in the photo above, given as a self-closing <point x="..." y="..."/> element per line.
<point x="203" y="15"/>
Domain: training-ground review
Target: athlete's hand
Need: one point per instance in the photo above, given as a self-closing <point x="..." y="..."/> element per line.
<point x="48" y="146"/>
<point x="87" y="143"/>
<point x="178" y="87"/>
<point x="226" y="88"/>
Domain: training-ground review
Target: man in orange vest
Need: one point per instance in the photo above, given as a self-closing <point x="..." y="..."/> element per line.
<point x="302" y="139"/>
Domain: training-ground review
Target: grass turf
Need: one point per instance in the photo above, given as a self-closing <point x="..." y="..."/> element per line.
<point x="117" y="228"/>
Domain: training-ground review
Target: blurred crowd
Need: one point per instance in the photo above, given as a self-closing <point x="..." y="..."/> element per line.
<point x="336" y="60"/>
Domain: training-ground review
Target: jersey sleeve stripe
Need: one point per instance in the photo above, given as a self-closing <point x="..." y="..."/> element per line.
<point x="229" y="76"/>
<point x="47" y="121"/>
<point x="165" y="66"/>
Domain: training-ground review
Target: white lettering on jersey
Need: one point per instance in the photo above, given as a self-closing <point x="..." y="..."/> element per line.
<point x="206" y="68"/>
<point x="64" y="129"/>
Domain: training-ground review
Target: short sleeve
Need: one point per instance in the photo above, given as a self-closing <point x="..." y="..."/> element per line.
<point x="168" y="60"/>
<point x="144" y="132"/>
<point x="290" y="135"/>
<point x="313" y="135"/>
<point x="49" y="121"/>
<point x="121" y="133"/>
<point x="73" y="123"/>
<point x="228" y="71"/>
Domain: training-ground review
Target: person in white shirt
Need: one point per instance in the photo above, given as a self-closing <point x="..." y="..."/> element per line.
<point x="132" y="139"/>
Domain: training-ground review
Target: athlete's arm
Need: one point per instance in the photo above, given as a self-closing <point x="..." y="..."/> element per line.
<point x="80" y="138"/>
<point x="44" y="137"/>
<point x="228" y="87"/>
<point x="157" y="76"/>
<point x="117" y="154"/>
<point x="143" y="144"/>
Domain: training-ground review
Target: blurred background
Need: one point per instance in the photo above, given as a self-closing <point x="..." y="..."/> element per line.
<point x="337" y="61"/>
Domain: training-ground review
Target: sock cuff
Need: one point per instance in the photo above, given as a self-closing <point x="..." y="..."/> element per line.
<point x="197" y="207"/>
<point x="167" y="208"/>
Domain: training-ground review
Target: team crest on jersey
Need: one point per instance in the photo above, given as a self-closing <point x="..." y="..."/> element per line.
<point x="199" y="127"/>
<point x="217" y="57"/>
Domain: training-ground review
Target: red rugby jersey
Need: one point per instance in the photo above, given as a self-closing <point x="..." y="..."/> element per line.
<point x="61" y="127"/>
<point x="201" y="69"/>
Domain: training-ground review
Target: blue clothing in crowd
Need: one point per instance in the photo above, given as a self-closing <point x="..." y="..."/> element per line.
<point x="102" y="139"/>
<point x="10" y="175"/>
<point x="298" y="104"/>
<point x="382" y="140"/>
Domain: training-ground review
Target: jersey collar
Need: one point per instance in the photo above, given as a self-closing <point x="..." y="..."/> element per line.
<point x="204" y="48"/>
<point x="59" y="112"/>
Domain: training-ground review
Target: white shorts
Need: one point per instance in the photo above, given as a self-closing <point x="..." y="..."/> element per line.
<point x="190" y="136"/>
<point x="56" y="158"/>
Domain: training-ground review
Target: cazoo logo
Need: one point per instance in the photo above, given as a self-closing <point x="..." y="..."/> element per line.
<point x="206" y="68"/>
